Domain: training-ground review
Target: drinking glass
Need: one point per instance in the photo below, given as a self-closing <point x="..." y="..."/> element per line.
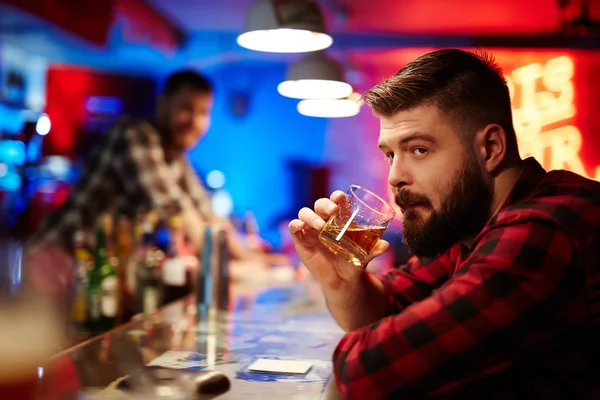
<point x="353" y="232"/>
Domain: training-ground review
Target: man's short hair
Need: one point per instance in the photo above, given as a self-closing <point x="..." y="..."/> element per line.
<point x="468" y="87"/>
<point x="186" y="79"/>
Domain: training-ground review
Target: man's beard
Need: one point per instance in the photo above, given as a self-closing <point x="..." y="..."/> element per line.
<point x="464" y="212"/>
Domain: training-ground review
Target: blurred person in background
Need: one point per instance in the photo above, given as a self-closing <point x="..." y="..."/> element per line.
<point x="143" y="165"/>
<point x="502" y="299"/>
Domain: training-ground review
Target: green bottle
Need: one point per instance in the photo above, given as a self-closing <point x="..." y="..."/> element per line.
<point x="103" y="289"/>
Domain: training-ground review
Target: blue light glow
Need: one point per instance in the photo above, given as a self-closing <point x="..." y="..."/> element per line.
<point x="215" y="179"/>
<point x="12" y="152"/>
<point x="104" y="105"/>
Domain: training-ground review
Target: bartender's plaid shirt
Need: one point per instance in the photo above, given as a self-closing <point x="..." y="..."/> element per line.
<point x="516" y="317"/>
<point x="127" y="174"/>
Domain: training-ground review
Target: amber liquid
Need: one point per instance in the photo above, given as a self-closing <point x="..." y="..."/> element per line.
<point x="20" y="387"/>
<point x="355" y="244"/>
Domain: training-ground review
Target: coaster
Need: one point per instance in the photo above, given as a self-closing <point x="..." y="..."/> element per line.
<point x="281" y="366"/>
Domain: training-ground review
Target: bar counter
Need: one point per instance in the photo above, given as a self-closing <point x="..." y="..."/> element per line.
<point x="274" y="319"/>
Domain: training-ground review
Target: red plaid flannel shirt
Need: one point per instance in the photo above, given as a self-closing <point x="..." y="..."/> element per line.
<point x="515" y="317"/>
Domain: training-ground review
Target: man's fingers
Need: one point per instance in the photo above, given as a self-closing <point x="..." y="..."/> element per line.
<point x="338" y="197"/>
<point x="381" y="247"/>
<point x="311" y="219"/>
<point x="296" y="226"/>
<point x="325" y="208"/>
<point x="315" y="219"/>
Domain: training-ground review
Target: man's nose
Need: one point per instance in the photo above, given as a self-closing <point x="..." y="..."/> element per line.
<point x="399" y="175"/>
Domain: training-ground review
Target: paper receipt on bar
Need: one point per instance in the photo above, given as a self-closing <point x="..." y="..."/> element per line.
<point x="177" y="360"/>
<point x="281" y="366"/>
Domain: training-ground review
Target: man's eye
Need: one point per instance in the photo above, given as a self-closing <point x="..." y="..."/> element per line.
<point x="419" y="151"/>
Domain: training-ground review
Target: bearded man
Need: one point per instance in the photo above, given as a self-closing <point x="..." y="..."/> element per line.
<point x="502" y="298"/>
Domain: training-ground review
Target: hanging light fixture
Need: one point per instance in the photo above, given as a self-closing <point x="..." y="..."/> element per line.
<point x="330" y="108"/>
<point x="285" y="26"/>
<point x="315" y="77"/>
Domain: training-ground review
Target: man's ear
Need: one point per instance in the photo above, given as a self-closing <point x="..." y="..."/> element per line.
<point x="491" y="144"/>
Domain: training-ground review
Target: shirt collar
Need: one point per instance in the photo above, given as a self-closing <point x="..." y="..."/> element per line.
<point x="530" y="178"/>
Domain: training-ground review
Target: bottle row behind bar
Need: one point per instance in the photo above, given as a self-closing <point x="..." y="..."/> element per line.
<point x="134" y="266"/>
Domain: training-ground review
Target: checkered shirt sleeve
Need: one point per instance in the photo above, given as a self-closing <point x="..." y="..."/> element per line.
<point x="84" y="196"/>
<point x="131" y="163"/>
<point x="519" y="272"/>
<point x="144" y="171"/>
<point x="416" y="280"/>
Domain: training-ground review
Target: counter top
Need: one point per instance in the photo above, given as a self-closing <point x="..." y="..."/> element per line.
<point x="277" y="320"/>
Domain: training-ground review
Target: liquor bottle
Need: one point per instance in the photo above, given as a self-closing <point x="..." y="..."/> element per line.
<point x="148" y="277"/>
<point x="124" y="244"/>
<point x="103" y="288"/>
<point x="124" y="249"/>
<point x="222" y="278"/>
<point x="176" y="276"/>
<point x="213" y="288"/>
<point x="83" y="259"/>
<point x="106" y="223"/>
<point x="141" y="225"/>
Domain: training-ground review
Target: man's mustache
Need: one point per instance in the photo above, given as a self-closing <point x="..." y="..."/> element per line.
<point x="406" y="199"/>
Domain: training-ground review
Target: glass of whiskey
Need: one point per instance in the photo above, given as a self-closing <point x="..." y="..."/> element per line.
<point x="354" y="231"/>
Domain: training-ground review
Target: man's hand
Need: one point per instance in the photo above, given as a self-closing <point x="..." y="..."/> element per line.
<point x="194" y="227"/>
<point x="331" y="271"/>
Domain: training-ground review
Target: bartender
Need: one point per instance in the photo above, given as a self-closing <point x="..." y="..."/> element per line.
<point x="142" y="164"/>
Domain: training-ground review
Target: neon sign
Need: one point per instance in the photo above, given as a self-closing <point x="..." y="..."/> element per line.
<point x="542" y="97"/>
